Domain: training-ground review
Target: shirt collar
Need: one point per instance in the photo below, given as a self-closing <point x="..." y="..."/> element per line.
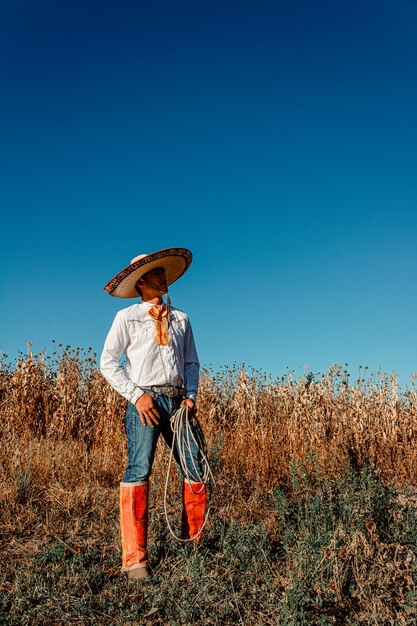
<point x="147" y="305"/>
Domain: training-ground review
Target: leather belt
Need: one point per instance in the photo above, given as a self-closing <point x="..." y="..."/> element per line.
<point x="165" y="390"/>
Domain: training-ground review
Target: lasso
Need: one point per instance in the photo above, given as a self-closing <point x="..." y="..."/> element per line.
<point x="183" y="435"/>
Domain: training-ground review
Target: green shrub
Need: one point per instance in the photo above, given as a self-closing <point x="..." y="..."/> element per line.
<point x="349" y="547"/>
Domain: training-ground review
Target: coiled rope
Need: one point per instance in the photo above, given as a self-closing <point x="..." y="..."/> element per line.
<point x="183" y="435"/>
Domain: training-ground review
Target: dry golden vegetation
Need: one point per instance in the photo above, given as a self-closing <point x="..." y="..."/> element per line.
<point x="314" y="500"/>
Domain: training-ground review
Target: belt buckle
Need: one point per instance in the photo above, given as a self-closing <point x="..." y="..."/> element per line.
<point x="173" y="392"/>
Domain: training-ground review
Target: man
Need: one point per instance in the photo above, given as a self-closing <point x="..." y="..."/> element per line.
<point x="161" y="374"/>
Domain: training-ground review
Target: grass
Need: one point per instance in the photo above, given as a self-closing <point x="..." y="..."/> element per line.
<point x="313" y="521"/>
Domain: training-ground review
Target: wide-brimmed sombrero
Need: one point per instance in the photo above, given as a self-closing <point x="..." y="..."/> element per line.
<point x="176" y="261"/>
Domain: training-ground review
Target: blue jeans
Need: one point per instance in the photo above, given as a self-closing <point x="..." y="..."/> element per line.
<point x="142" y="440"/>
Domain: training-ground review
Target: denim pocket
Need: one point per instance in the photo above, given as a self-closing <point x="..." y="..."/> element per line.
<point x="132" y="417"/>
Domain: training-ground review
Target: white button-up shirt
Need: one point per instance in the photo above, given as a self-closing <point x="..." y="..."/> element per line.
<point x="147" y="363"/>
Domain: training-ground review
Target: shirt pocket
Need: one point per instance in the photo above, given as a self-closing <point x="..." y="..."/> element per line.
<point x="178" y="331"/>
<point x="140" y="331"/>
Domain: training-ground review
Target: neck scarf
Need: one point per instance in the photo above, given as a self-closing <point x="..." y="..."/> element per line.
<point x="159" y="313"/>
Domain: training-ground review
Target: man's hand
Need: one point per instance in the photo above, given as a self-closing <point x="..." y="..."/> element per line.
<point x="147" y="410"/>
<point x="190" y="403"/>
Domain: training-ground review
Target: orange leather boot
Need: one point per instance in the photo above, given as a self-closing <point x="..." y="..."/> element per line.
<point x="134" y="499"/>
<point x="193" y="512"/>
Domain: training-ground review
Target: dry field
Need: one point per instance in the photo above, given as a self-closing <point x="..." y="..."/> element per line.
<point x="313" y="518"/>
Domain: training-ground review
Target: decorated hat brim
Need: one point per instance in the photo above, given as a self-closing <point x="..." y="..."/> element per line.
<point x="175" y="261"/>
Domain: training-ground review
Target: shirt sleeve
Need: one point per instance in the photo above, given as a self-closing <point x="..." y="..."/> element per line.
<point x="191" y="364"/>
<point x="114" y="347"/>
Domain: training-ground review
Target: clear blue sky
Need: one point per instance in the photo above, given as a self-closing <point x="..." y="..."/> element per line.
<point x="276" y="140"/>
